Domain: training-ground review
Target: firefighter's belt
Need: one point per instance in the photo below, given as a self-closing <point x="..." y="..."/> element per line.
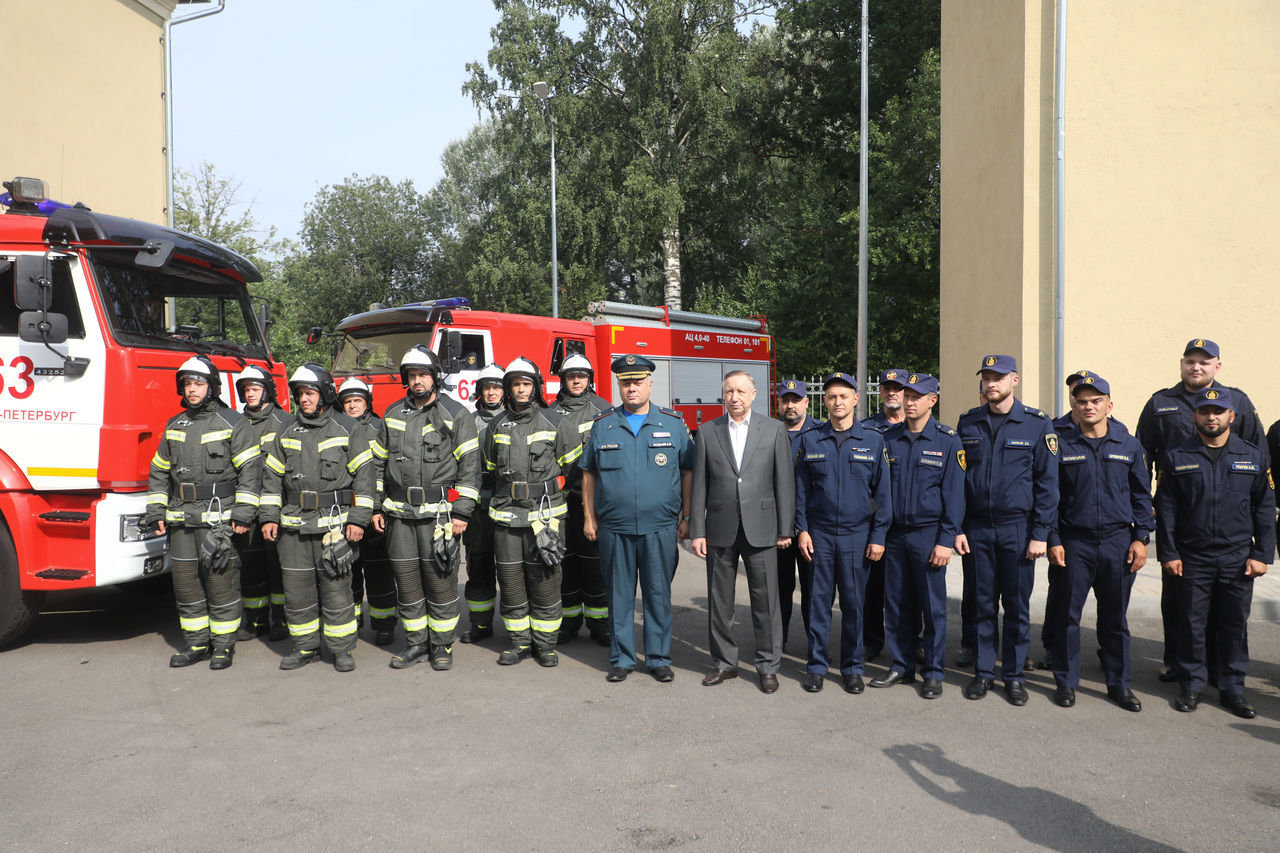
<point x="203" y="492"/>
<point x="315" y="500"/>
<point x="522" y="491"/>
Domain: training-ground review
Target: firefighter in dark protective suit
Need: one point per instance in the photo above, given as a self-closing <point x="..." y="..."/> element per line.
<point x="481" y="590"/>
<point x="203" y="487"/>
<point x="260" y="582"/>
<point x="582" y="589"/>
<point x="527" y="448"/>
<point x="371" y="573"/>
<point x="317" y="498"/>
<point x="427" y="457"/>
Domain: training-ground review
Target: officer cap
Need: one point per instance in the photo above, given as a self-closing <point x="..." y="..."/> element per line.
<point x="632" y="367"/>
<point x="1093" y="381"/>
<point x="999" y="364"/>
<point x="839" y="377"/>
<point x="894" y="374"/>
<point x="793" y="388"/>
<point x="1073" y="378"/>
<point x="921" y="383"/>
<point x="1214" y="397"/>
<point x="1203" y="345"/>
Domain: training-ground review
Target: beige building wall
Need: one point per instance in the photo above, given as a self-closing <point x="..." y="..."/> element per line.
<point x="86" y="112"/>
<point x="1172" y="192"/>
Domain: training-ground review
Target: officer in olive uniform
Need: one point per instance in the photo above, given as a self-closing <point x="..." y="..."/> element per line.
<point x="1215" y="527"/>
<point x="891" y="413"/>
<point x="481" y="589"/>
<point x="1104" y="524"/>
<point x="636" y="477"/>
<point x="582" y="589"/>
<point x="260" y="582"/>
<point x="1011" y="501"/>
<point x="427" y="458"/>
<point x="204" y="474"/>
<point x="317" y="480"/>
<point x="926" y="468"/>
<point x="371" y="574"/>
<point x="527" y="448"/>
<point x="793" y="411"/>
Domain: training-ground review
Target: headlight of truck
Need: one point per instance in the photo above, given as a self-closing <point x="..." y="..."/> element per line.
<point x="131" y="529"/>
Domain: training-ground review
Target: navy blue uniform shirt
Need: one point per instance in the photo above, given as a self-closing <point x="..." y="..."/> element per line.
<point x="1215" y="512"/>
<point x="842" y="485"/>
<point x="810" y="423"/>
<point x="1167" y="420"/>
<point x="638" y="475"/>
<point x="927" y="474"/>
<point x="878" y="422"/>
<point x="1012" y="475"/>
<point x="1102" y="490"/>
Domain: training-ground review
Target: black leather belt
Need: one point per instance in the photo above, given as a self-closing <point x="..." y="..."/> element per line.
<point x="316" y="500"/>
<point x="417" y="495"/>
<point x="204" y="492"/>
<point x="522" y="491"/>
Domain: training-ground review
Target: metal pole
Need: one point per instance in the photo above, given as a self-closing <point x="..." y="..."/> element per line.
<point x="555" y="263"/>
<point x="1059" y="215"/>
<point x="168" y="101"/>
<point x="862" y="229"/>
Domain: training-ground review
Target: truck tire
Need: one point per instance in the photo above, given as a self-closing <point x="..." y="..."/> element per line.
<point x="18" y="609"/>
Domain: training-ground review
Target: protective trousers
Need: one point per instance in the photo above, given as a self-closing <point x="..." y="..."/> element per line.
<point x="481" y="589"/>
<point x="1003" y="577"/>
<point x="427" y="597"/>
<point x="310" y="598"/>
<point x="1096" y="561"/>
<point x="530" y="590"/>
<point x="371" y="575"/>
<point x="255" y="583"/>
<point x="582" y="588"/>
<point x="650" y="558"/>
<point x="1213" y="601"/>
<point x="208" y="603"/>
<point x="839" y="562"/>
<point x="914" y="593"/>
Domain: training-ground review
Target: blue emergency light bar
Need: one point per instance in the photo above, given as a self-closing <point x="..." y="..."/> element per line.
<point x="451" y="302"/>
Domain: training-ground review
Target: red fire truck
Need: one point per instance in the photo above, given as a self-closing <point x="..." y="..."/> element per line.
<point x="96" y="314"/>
<point x="692" y="351"/>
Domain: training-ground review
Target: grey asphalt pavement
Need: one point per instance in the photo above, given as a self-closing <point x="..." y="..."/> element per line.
<point x="103" y="747"/>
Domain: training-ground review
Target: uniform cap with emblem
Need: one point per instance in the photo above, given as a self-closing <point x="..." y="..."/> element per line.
<point x="838" y="376"/>
<point x="1203" y="345"/>
<point x="1093" y="381"/>
<point x="894" y="374"/>
<point x="1002" y="364"/>
<point x="921" y="383"/>
<point x="1215" y="397"/>
<point x="632" y="367"/>
<point x="792" y="388"/>
<point x="1073" y="378"/>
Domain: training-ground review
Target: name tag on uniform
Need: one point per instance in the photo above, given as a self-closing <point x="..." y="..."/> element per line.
<point x="1119" y="457"/>
<point x="814" y="456"/>
<point x="863" y="457"/>
<point x="1066" y="460"/>
<point x="971" y="440"/>
<point x="661" y="444"/>
<point x="936" y="463"/>
<point x="1249" y="467"/>
<point x="1186" y="469"/>
<point x="1016" y="442"/>
<point x="662" y="435"/>
<point x="933" y="453"/>
<point x="609" y="447"/>
<point x="1166" y="410"/>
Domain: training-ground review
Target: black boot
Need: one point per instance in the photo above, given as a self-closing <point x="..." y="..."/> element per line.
<point x="222" y="656"/>
<point x="189" y="655"/>
<point x="279" y="627"/>
<point x="479" y="631"/>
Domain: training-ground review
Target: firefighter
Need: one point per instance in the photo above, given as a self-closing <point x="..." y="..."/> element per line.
<point x="582" y="590"/>
<point x="317" y="498"/>
<point x="372" y="571"/>
<point x="259" y="563"/>
<point x="481" y="590"/>
<point x="205" y="474"/>
<point x="527" y="448"/>
<point x="427" y="458"/>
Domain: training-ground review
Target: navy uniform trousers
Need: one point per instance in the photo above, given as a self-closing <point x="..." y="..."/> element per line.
<point x="651" y="559"/>
<point x="1097" y="561"/>
<point x="914" y="592"/>
<point x="1213" y="599"/>
<point x="839" y="562"/>
<point x="1003" y="577"/>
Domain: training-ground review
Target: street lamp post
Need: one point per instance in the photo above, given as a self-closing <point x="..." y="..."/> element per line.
<point x="543" y="91"/>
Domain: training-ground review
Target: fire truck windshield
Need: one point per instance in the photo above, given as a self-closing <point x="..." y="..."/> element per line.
<point x="174" y="308"/>
<point x="377" y="350"/>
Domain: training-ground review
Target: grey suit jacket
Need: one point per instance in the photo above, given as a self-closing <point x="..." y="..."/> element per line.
<point x="762" y="496"/>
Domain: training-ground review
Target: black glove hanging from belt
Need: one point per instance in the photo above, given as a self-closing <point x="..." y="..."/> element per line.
<point x="551" y="547"/>
<point x="337" y="555"/>
<point x="216" y="551"/>
<point x="445" y="552"/>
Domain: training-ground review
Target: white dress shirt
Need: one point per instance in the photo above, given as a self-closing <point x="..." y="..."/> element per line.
<point x="738" y="437"/>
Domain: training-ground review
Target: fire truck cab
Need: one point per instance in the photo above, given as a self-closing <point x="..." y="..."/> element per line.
<point x="692" y="351"/>
<point x="96" y="314"/>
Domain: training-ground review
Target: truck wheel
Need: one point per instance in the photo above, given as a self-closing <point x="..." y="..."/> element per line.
<point x="18" y="609"/>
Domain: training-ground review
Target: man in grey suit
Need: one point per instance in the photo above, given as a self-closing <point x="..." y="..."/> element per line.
<point x="744" y="506"/>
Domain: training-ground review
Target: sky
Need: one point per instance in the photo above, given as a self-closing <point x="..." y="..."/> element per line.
<point x="289" y="96"/>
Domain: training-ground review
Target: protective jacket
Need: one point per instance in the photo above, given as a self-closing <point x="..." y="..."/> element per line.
<point x="206" y="469"/>
<point x="580" y="413"/>
<point x="527" y="452"/>
<point x="420" y="454"/>
<point x="318" y="474"/>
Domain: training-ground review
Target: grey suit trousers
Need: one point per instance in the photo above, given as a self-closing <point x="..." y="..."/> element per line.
<point x="761" y="565"/>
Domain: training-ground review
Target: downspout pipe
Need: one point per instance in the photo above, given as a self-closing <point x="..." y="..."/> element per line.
<point x="168" y="99"/>
<point x="1060" y="212"/>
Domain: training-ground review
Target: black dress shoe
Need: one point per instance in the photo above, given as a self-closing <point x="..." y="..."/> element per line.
<point x="853" y="683"/>
<point x="617" y="674"/>
<point x="663" y="674"/>
<point x="1016" y="693"/>
<point x="1124" y="697"/>
<point x="1064" y="697"/>
<point x="978" y="687"/>
<point x="1169" y="674"/>
<point x="893" y="677"/>
<point x="813" y="682"/>
<point x="410" y="656"/>
<point x="931" y="689"/>
<point x="718" y="676"/>
<point x="768" y="683"/>
<point x="1187" y="701"/>
<point x="966" y="658"/>
<point x="1234" y="702"/>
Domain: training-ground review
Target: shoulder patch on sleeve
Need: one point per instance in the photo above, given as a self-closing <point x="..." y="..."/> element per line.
<point x="1051" y="441"/>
